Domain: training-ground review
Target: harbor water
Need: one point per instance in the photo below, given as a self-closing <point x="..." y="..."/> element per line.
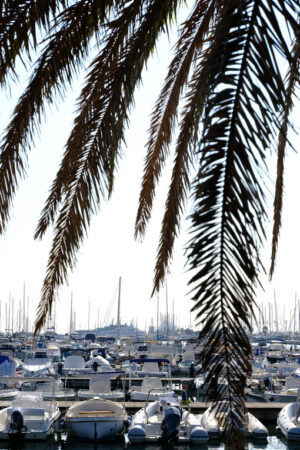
<point x="275" y="442"/>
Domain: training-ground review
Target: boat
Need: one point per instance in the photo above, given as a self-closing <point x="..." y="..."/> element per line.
<point x="29" y="418"/>
<point x="283" y="394"/>
<point x="188" y="360"/>
<point x="36" y="366"/>
<point x="96" y="419"/>
<point x="53" y="351"/>
<point x="151" y="380"/>
<point x="8" y="390"/>
<point x="214" y="418"/>
<point x="288" y="421"/>
<point x="163" y="421"/>
<point x="100" y="386"/>
<point x="153" y="367"/>
<point x="140" y="393"/>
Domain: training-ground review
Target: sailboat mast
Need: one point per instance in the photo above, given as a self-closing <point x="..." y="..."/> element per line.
<point x="167" y="312"/>
<point x="276" y="313"/>
<point x="157" y="318"/>
<point x="71" y="313"/>
<point x="119" y="302"/>
<point x="24" y="313"/>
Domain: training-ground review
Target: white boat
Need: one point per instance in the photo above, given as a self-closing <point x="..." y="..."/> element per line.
<point x="8" y="394"/>
<point x="213" y="421"/>
<point x="153" y="384"/>
<point x="100" y="386"/>
<point x="288" y="393"/>
<point x="36" y="366"/>
<point x="153" y="367"/>
<point x="75" y="365"/>
<point x="96" y="420"/>
<point x="188" y="359"/>
<point x="29" y="417"/>
<point x="53" y="351"/>
<point x="163" y="421"/>
<point x="55" y="391"/>
<point x="288" y="421"/>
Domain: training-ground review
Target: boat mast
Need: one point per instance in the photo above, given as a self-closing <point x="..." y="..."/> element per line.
<point x="12" y="314"/>
<point x="71" y="313"/>
<point x="24" y="316"/>
<point x="9" y="306"/>
<point x="118" y="318"/>
<point x="157" y="318"/>
<point x="276" y="315"/>
<point x="167" y="313"/>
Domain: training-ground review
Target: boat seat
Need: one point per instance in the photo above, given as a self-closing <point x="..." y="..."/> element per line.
<point x="96" y="413"/>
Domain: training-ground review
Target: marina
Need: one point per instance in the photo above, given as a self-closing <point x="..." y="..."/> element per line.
<point x="102" y="382"/>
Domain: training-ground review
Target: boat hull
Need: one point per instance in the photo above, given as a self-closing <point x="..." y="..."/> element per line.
<point x="146" y="426"/>
<point x="95" y="429"/>
<point x="287" y="422"/>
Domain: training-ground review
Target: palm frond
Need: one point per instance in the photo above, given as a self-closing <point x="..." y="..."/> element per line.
<point x="227" y="224"/>
<point x="191" y="40"/>
<point x="60" y="61"/>
<point x="89" y="111"/>
<point x="292" y="80"/>
<point x="20" y="23"/>
<point x="180" y="182"/>
<point x="107" y="119"/>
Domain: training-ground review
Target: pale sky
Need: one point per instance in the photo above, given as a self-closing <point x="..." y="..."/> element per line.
<point x="110" y="250"/>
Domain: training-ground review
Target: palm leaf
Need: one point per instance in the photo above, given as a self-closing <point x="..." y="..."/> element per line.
<point x="20" y="23"/>
<point x="60" y="61"/>
<point x="191" y="40"/>
<point x="88" y="119"/>
<point x="292" y="79"/>
<point x="227" y="223"/>
<point x="107" y="119"/>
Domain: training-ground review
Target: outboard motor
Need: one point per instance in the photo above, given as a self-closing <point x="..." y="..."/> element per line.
<point x="170" y="424"/>
<point x="267" y="383"/>
<point x="16" y="426"/>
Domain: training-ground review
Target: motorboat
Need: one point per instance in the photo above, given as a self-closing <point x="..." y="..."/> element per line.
<point x="140" y="393"/>
<point x="152" y="367"/>
<point x="100" y="386"/>
<point x="29" y="418"/>
<point x="36" y="366"/>
<point x="8" y="390"/>
<point x="288" y="421"/>
<point x="163" y="421"/>
<point x="96" y="419"/>
<point x="76" y="365"/>
<point x="55" y="391"/>
<point x="53" y="351"/>
<point x="214" y="419"/>
<point x="287" y="393"/>
<point x="188" y="360"/>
